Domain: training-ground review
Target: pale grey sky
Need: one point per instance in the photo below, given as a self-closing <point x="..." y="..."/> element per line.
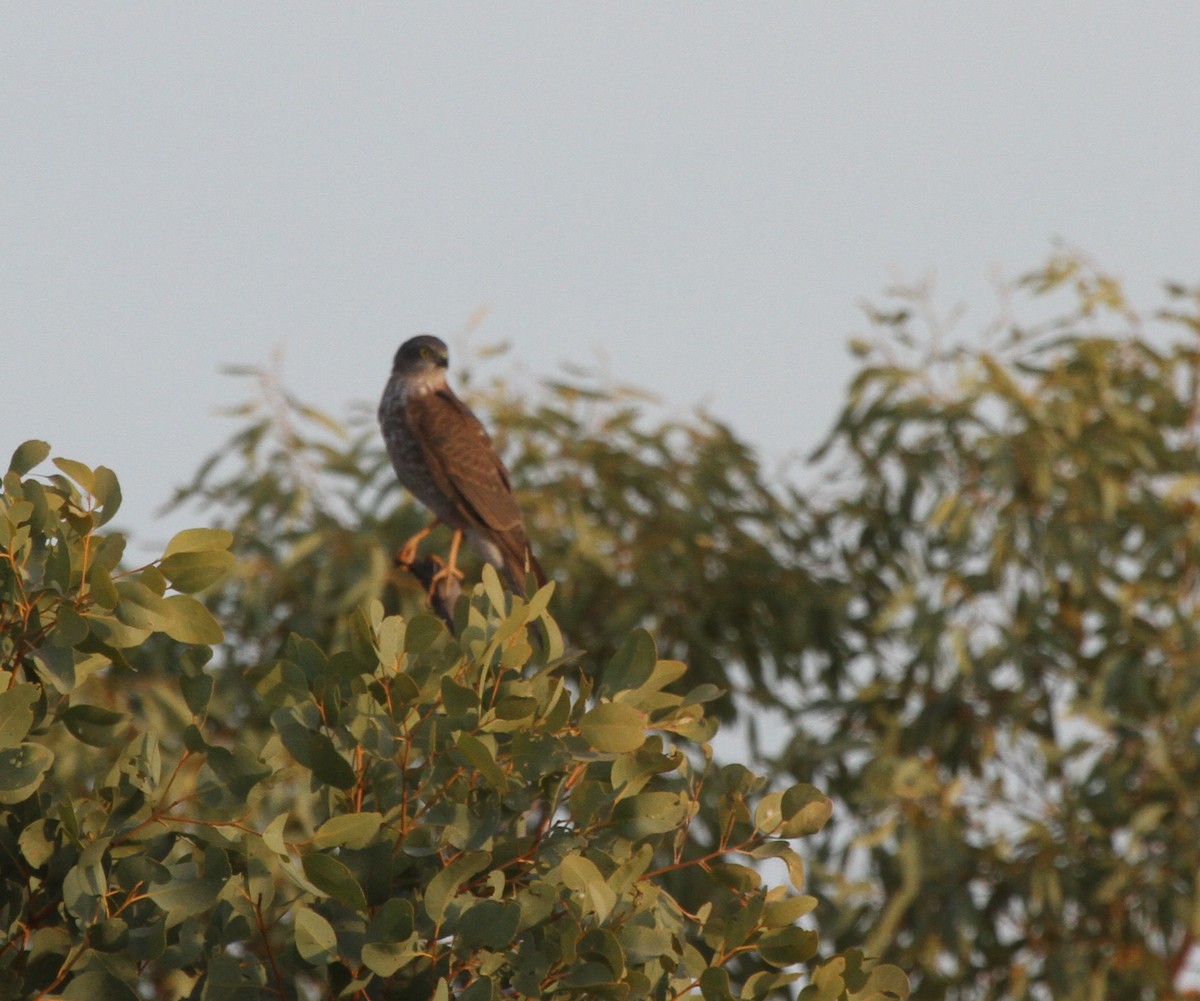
<point x="705" y="192"/>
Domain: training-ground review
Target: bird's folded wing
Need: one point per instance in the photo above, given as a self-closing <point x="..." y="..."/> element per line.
<point x="462" y="460"/>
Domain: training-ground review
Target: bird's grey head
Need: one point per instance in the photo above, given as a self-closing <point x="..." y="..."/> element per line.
<point x="421" y="357"/>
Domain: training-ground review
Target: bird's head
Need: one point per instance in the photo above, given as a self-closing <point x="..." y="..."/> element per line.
<point x="421" y="356"/>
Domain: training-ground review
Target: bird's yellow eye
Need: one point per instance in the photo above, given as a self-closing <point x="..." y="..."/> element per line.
<point x="425" y="352"/>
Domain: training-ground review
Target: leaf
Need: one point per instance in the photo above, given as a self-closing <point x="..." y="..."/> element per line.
<point x="101" y="589"/>
<point x="70" y="628"/>
<point x="107" y="491"/>
<point x="493" y="588"/>
<point x="16" y="713"/>
<point x="489" y="924"/>
<point x="189" y="892"/>
<point x="444" y="886"/>
<point x="631" y="666"/>
<point x="614" y="727"/>
<point x="198" y="540"/>
<point x="78" y="472"/>
<point x="349" y="830"/>
<point x="786" y="946"/>
<point x="480" y="989"/>
<point x="272" y="835"/>
<point x="27" y="455"/>
<point x="190" y="572"/>
<point x="715" y="986"/>
<point x="332" y="877"/>
<point x="313" y="750"/>
<point x="477" y="754"/>
<point x="197" y="689"/>
<point x="394" y="921"/>
<point x="884" y="983"/>
<point x="422" y="633"/>
<point x="385" y="958"/>
<point x="387" y="947"/>
<point x="778" y="913"/>
<point x="95" y="725"/>
<point x="806" y="810"/>
<point x="581" y="875"/>
<point x="98" y="985"/>
<point x="22" y="769"/>
<point x="790" y="857"/>
<point x="315" y="938"/>
<point x="188" y="621"/>
<point x="140" y="607"/>
<point x="650" y="813"/>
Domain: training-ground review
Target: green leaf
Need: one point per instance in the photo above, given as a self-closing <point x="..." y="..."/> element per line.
<point x="109" y="936"/>
<point x="444" y="886"/>
<point x="614" y="727"/>
<point x="884" y="982"/>
<point x="188" y="621"/>
<point x="22" y="769"/>
<point x="393" y="921"/>
<point x="331" y="876"/>
<point x="581" y="875"/>
<point x="140" y="607"/>
<point x="313" y="750"/>
<point x="107" y="492"/>
<point x="778" y="913"/>
<point x="789" y="856"/>
<point x="16" y="713"/>
<point x="197" y="689"/>
<point x="98" y="985"/>
<point x="96" y="725"/>
<point x="70" y="628"/>
<point x="786" y="946"/>
<point x="422" y="633"/>
<point x="650" y="813"/>
<point x="198" y="540"/>
<point x="631" y="666"/>
<point x="190" y="892"/>
<point x="477" y="754"/>
<point x="480" y="989"/>
<point x="388" y="945"/>
<point x="643" y="944"/>
<point x="489" y="924"/>
<point x="77" y="471"/>
<point x="714" y="985"/>
<point x="101" y="589"/>
<point x="806" y="810"/>
<point x="190" y="572"/>
<point x="385" y="958"/>
<point x="315" y="938"/>
<point x="349" y="830"/>
<point x="27" y="455"/>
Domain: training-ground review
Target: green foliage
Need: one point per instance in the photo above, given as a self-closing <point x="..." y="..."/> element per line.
<point x="1009" y="704"/>
<point x="402" y="814"/>
<point x="974" y="631"/>
<point x="666" y="526"/>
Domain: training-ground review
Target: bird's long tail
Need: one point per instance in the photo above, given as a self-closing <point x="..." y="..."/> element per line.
<point x="519" y="562"/>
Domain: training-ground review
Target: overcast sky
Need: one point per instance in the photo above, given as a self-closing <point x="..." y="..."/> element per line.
<point x="701" y="194"/>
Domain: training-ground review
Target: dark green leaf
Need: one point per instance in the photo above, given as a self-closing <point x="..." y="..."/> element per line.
<point x="614" y="727"/>
<point x="331" y="876"/>
<point x="27" y="455"/>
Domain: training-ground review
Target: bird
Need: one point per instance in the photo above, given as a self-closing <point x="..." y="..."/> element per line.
<point x="444" y="457"/>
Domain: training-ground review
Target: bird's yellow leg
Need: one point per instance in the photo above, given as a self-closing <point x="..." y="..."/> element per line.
<point x="406" y="555"/>
<point x="450" y="567"/>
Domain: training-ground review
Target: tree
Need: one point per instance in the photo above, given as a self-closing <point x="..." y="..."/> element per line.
<point x="975" y="622"/>
<point x="973" y="626"/>
<point x="1006" y="713"/>
<point x="391" y="812"/>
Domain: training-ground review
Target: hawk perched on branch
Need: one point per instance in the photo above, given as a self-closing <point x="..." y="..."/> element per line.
<point x="444" y="457"/>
